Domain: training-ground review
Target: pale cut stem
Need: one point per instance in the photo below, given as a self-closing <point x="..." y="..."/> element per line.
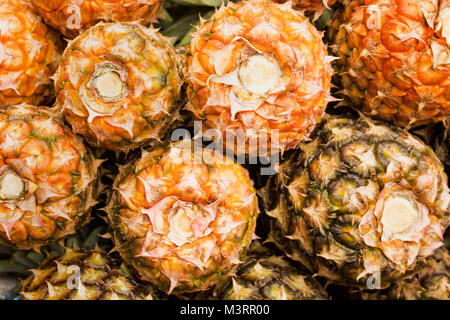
<point x="12" y="186"/>
<point x="259" y="75"/>
<point x="399" y="214"/>
<point x="109" y="85"/>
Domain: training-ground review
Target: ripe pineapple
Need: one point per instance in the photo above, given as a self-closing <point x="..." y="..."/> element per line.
<point x="360" y="204"/>
<point x="431" y="283"/>
<point x="29" y="55"/>
<point x="395" y="58"/>
<point x="265" y="276"/>
<point x="315" y="7"/>
<point x="84" y="275"/>
<point x="118" y="85"/>
<point x="181" y="218"/>
<point x="47" y="178"/>
<point x="71" y="17"/>
<point x="258" y="71"/>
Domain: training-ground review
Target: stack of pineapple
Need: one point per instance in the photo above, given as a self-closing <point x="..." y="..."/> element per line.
<point x="93" y="94"/>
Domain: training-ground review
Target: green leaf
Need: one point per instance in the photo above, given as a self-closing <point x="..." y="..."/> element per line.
<point x="180" y="28"/>
<point x="166" y="16"/>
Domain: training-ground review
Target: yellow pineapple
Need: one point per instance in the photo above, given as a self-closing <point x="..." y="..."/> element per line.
<point x="84" y="275"/>
<point x="362" y="204"/>
<point x="118" y="85"/>
<point x="266" y="276"/>
<point x="182" y="216"/>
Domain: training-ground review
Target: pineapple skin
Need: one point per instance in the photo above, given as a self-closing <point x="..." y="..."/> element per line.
<point x="72" y="17"/>
<point x="225" y="44"/>
<point x="56" y="171"/>
<point x="333" y="203"/>
<point x="394" y="59"/>
<point x="182" y="222"/>
<point x="432" y="282"/>
<point x="147" y="71"/>
<point x="315" y="7"/>
<point x="84" y="275"/>
<point x="30" y="54"/>
<point x="266" y="276"/>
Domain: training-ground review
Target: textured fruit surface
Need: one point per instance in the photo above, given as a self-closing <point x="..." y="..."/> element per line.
<point x="29" y="55"/>
<point x="395" y="58"/>
<point x="310" y="6"/>
<point x="47" y="178"/>
<point x="83" y="275"/>
<point x="431" y="283"/>
<point x="118" y="85"/>
<point x="71" y="17"/>
<point x="265" y="276"/>
<point x="361" y="199"/>
<point x="258" y="70"/>
<point x="182" y="221"/>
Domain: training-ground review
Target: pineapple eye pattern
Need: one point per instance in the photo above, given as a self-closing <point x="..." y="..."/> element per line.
<point x="394" y="59"/>
<point x="29" y="55"/>
<point x="379" y="208"/>
<point x="48" y="178"/>
<point x="73" y="17"/>
<point x="118" y="85"/>
<point x="173" y="123"/>
<point x="260" y="68"/>
<point x="180" y="219"/>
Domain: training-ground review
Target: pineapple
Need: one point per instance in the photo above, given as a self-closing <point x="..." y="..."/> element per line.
<point x="29" y="54"/>
<point x="431" y="283"/>
<point x="71" y="17"/>
<point x="182" y="216"/>
<point x="395" y="58"/>
<point x="118" y="85"/>
<point x="316" y="7"/>
<point x="84" y="275"/>
<point x="257" y="71"/>
<point x="265" y="276"/>
<point x="47" y="178"/>
<point x="361" y="204"/>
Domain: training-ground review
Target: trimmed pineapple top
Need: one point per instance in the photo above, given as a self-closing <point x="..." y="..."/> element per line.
<point x="361" y="199"/>
<point x="77" y="275"/>
<point x="259" y="67"/>
<point x="182" y="217"/>
<point x="118" y="85"/>
<point x="269" y="277"/>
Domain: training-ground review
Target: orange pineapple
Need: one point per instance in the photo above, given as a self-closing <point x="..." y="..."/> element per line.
<point x="315" y="7"/>
<point x="29" y="55"/>
<point x="71" y="17"/>
<point x="395" y="58"/>
<point x="47" y="178"/>
<point x="258" y="66"/>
